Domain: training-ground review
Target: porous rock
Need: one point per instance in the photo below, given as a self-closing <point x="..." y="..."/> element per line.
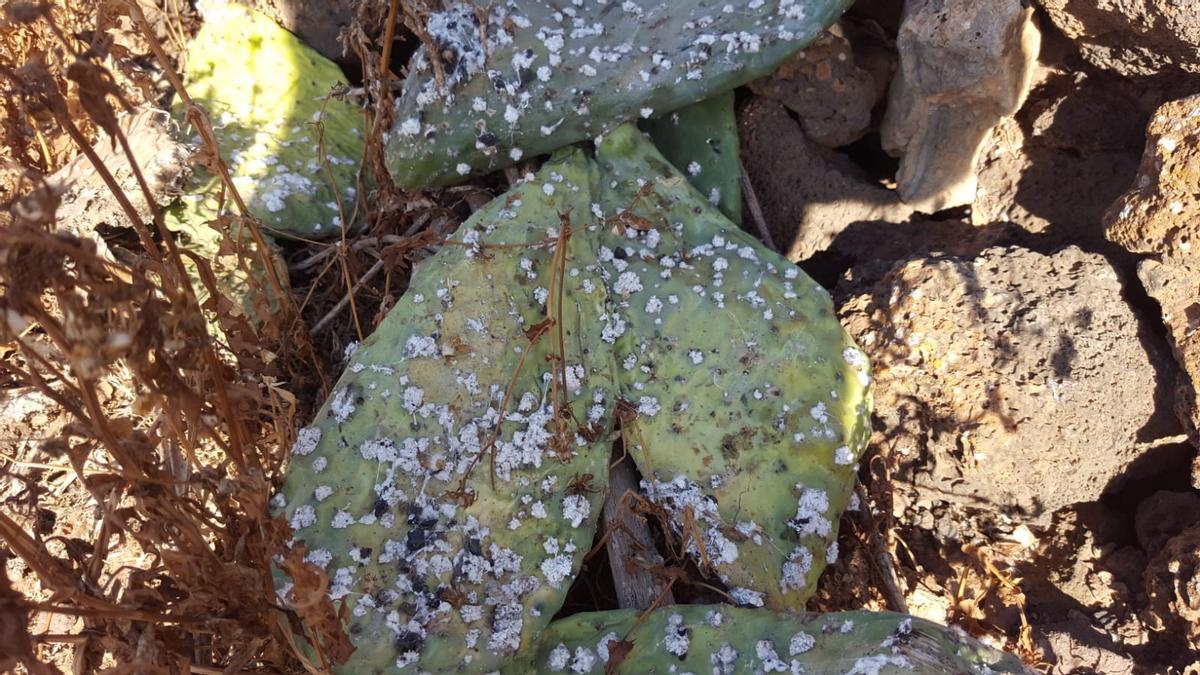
<point x="1160" y="214"/>
<point x="825" y="88"/>
<point x="1163" y="515"/>
<point x="1014" y="382"/>
<point x="1172" y="586"/>
<point x="1174" y="285"/>
<point x="809" y="194"/>
<point x="963" y="66"/>
<point x="1054" y="167"/>
<point x="1135" y="38"/>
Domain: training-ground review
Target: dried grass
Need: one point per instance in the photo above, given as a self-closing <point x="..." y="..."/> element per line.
<point x="178" y="574"/>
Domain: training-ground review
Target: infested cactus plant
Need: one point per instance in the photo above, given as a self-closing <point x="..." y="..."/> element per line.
<point x="753" y="400"/>
<point x="523" y="78"/>
<point x="723" y="639"/>
<point x="450" y="485"/>
<point x="452" y="482"/>
<point x="701" y="141"/>
<point x="266" y="92"/>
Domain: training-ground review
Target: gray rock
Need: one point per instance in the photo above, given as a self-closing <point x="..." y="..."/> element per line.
<point x="1174" y="285"/>
<point x="963" y="66"/>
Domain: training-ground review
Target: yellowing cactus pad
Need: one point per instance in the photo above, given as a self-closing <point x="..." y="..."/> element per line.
<point x="266" y="92"/>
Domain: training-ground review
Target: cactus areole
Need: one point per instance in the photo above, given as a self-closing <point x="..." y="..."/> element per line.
<point x="517" y="79"/>
<point x="453" y="481"/>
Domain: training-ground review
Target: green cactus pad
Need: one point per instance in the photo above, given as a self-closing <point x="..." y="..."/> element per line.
<point x="724" y="639"/>
<point x="701" y="140"/>
<point x="752" y="414"/>
<point x="754" y="401"/>
<point x="537" y="76"/>
<point x="463" y="583"/>
<point x="265" y="92"/>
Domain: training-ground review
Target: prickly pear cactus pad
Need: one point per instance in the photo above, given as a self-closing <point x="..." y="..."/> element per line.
<point x="265" y="92"/>
<point x="525" y="77"/>
<point x="701" y="140"/>
<point x="723" y="639"/>
<point x="453" y="547"/>
<point x="603" y="287"/>
<point x="753" y="402"/>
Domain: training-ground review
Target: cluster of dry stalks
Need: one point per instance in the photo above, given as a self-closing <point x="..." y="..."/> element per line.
<point x="178" y="575"/>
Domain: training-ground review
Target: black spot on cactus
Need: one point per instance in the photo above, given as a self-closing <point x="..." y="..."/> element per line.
<point x="407" y="642"/>
<point x="415" y="540"/>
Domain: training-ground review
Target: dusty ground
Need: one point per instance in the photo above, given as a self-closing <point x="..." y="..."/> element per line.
<point x="1028" y="480"/>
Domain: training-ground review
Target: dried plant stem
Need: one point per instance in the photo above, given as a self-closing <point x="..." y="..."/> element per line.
<point x="237" y="434"/>
<point x="347" y="298"/>
<point x="48" y="467"/>
<point x="756" y="209"/>
<point x="630" y="544"/>
<point x="880" y="553"/>
<point x="351" y="288"/>
<point x="358" y="244"/>
<point x="385" y="60"/>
